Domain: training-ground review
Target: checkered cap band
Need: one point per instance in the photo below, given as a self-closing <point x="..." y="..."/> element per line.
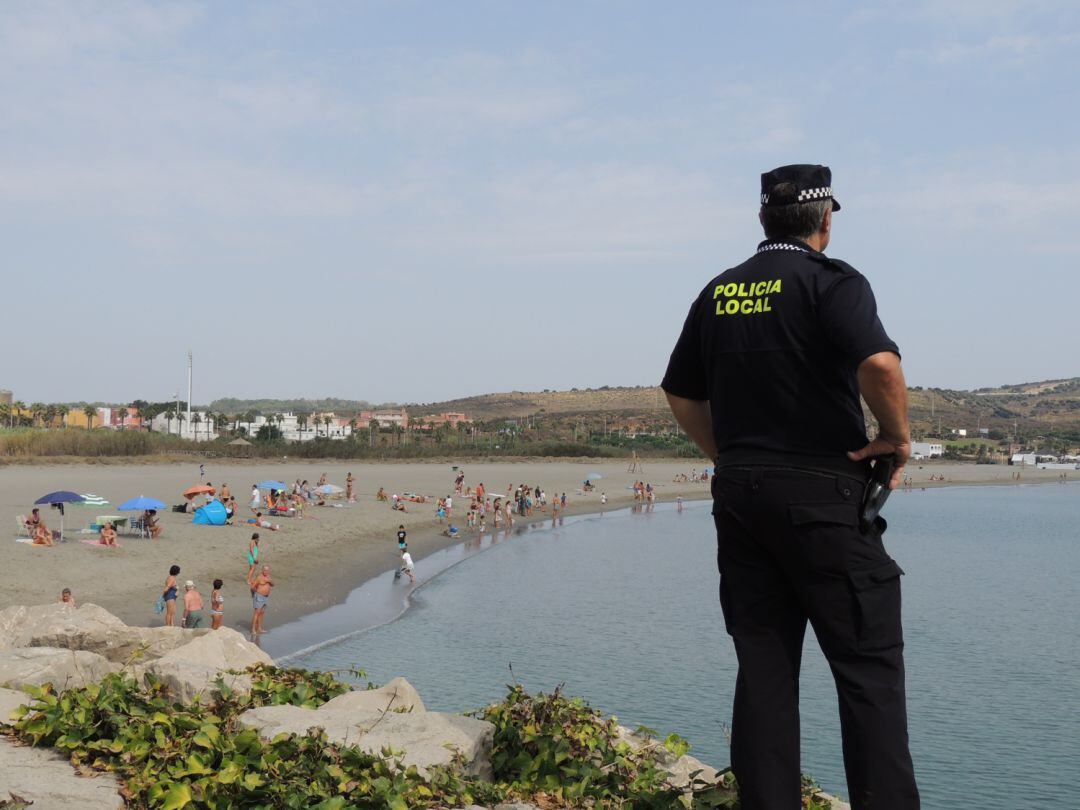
<point x="815" y="193"/>
<point x="823" y="193"/>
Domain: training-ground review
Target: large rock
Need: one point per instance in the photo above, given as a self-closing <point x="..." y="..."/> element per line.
<point x="44" y="780"/>
<point x="190" y="671"/>
<point x="64" y="669"/>
<point x="396" y="696"/>
<point x="10" y="700"/>
<point x="391" y="717"/>
<point x="90" y="628"/>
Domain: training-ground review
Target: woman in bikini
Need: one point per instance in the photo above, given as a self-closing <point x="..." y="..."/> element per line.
<point x="108" y="535"/>
<point x="42" y="535"/>
<point x="217" y="606"/>
<point x="349" y="488"/>
<point x="169" y="595"/>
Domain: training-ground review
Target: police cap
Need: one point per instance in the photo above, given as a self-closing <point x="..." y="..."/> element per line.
<point x="797" y="183"/>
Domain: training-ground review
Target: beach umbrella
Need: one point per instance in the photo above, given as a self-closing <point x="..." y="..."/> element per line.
<point x="60" y="498"/>
<point x="329" y="489"/>
<point x="90" y="499"/>
<point x="272" y="485"/>
<point x="593" y="476"/>
<point x="191" y="492"/>
<point x="141" y="504"/>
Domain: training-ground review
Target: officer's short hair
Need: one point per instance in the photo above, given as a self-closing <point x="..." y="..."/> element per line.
<point x="797" y="220"/>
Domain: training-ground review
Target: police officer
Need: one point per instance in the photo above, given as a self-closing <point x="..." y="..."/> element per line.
<point x="766" y="378"/>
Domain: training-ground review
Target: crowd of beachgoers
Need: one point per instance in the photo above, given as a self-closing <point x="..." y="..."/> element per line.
<point x="464" y="511"/>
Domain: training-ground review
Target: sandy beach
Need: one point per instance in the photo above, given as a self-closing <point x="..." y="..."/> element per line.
<point x="315" y="561"/>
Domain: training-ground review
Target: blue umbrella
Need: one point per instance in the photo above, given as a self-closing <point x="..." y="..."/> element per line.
<point x="272" y="485"/>
<point x="60" y="498"/>
<point x="141" y="504"/>
<point x="593" y="476"/>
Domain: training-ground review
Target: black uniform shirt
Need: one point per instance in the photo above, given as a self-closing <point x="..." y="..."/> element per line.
<point x="773" y="345"/>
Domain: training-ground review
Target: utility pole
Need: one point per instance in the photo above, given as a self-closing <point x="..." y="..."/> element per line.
<point x="189" y="386"/>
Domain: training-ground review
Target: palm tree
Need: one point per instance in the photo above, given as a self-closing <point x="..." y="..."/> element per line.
<point x="373" y="431"/>
<point x="123" y="414"/>
<point x="327" y="421"/>
<point x="301" y="423"/>
<point x="62" y="412"/>
<point x="49" y="415"/>
<point x="352" y="428"/>
<point x="179" y="416"/>
<point x="37" y="412"/>
<point x="90" y="411"/>
<point x="5" y="413"/>
<point x="196" y="420"/>
<point x="221" y="422"/>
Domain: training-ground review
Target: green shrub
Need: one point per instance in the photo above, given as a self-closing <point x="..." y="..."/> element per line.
<point x="552" y="750"/>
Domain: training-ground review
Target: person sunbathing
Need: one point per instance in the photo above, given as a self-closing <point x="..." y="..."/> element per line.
<point x="262" y="523"/>
<point x="33" y="522"/>
<point x="108" y="535"/>
<point x="150" y="521"/>
<point x="42" y="535"/>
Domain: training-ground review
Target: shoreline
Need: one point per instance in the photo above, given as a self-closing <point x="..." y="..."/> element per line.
<point x="529" y="525"/>
<point x="320" y="561"/>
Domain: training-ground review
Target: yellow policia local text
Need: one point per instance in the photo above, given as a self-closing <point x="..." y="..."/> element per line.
<point x="745" y="298"/>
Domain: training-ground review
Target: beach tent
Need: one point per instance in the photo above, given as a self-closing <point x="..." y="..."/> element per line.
<point x="213" y="514"/>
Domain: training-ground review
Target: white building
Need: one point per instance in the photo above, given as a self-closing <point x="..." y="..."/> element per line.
<point x="927" y="449"/>
<point x="201" y="429"/>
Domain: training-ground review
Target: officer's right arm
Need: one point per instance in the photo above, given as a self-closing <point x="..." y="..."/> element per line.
<point x="882" y="385"/>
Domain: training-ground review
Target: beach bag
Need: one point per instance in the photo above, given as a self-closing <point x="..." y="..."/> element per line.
<point x="159" y="605"/>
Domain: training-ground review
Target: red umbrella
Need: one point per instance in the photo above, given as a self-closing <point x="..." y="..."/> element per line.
<point x="191" y="492"/>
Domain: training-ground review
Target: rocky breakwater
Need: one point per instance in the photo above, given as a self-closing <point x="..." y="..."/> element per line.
<point x="248" y="733"/>
<point x="74" y="647"/>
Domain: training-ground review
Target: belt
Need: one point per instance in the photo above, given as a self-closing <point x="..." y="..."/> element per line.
<point x="754" y="457"/>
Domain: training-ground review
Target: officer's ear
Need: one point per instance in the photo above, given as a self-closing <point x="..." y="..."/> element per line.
<point x="826" y="222"/>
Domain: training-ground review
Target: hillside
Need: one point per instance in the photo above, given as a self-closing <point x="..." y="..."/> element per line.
<point x="1051" y="406"/>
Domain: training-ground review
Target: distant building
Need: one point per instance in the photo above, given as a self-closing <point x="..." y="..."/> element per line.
<point x="451" y="418"/>
<point x="110" y="418"/>
<point x="927" y="449"/>
<point x="6" y="397"/>
<point x="399" y="418"/>
<point x="962" y="432"/>
<point x="204" y="431"/>
<point x="1024" y="459"/>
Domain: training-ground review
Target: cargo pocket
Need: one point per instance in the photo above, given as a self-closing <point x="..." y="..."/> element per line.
<point x="876" y="590"/>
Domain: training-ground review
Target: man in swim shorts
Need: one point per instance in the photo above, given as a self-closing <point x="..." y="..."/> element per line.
<point x="260" y="596"/>
<point x="193" y="606"/>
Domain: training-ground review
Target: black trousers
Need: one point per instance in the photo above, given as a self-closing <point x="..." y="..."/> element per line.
<point x="790" y="550"/>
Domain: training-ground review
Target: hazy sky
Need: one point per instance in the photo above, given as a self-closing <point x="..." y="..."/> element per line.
<point x="418" y="200"/>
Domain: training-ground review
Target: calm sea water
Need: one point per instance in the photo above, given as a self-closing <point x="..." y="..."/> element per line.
<point x="623" y="609"/>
